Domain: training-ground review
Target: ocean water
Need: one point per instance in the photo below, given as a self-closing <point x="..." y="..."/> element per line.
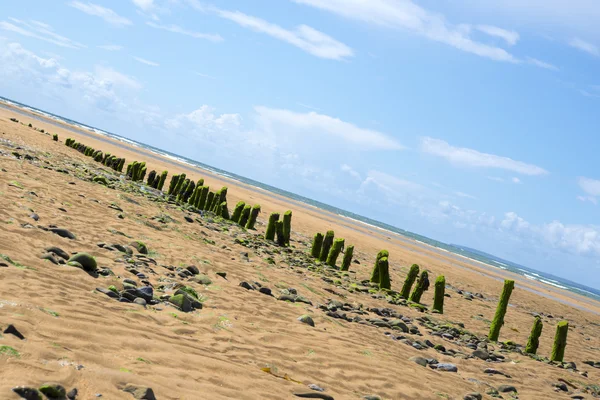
<point x="455" y="250"/>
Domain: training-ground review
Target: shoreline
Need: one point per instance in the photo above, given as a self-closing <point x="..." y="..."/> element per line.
<point x="547" y="290"/>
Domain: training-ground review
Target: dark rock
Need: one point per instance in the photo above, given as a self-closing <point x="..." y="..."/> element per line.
<point x="222" y="274"/>
<point x="107" y="292"/>
<point x="507" y="388"/>
<point x="314" y="395"/>
<point x="493" y="371"/>
<point x="145" y="292"/>
<point x="481" y="354"/>
<point x="85" y="260"/>
<point x="72" y="395"/>
<point x="473" y="396"/>
<point x="306" y="319"/>
<point x="371" y="397"/>
<point x="246" y="285"/>
<point x="13" y="331"/>
<point x="49" y="257"/>
<point x="188" y="219"/>
<point x="34" y="216"/>
<point x="265" y="290"/>
<point x="419" y="360"/>
<point x="193" y="269"/>
<point x="28" y="393"/>
<point x="139" y="246"/>
<point x="140" y="392"/>
<point x="447" y="367"/>
<point x="204" y="280"/>
<point x="62" y="233"/>
<point x="53" y="390"/>
<point x="140" y="301"/>
<point x="561" y="386"/>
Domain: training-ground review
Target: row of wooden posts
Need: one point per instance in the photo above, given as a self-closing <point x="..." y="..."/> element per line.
<point x="326" y="248"/>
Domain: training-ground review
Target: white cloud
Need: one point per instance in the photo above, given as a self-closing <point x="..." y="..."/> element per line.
<point x="147" y="62"/>
<point x="516" y="180"/>
<point x="205" y="119"/>
<point x="584" y="46"/>
<point x="145" y="5"/>
<point x="510" y="37"/>
<point x="40" y="31"/>
<point x="304" y="37"/>
<point x="591" y="199"/>
<point x="348" y="169"/>
<point x="574" y="239"/>
<point x="177" y="29"/>
<point x="474" y="158"/>
<point x="111" y="47"/>
<point x="465" y="195"/>
<point x="408" y="16"/>
<point x="541" y="64"/>
<point x="320" y="124"/>
<point x="102" y="89"/>
<point x="589" y="186"/>
<point x="204" y="75"/>
<point x="106" y="14"/>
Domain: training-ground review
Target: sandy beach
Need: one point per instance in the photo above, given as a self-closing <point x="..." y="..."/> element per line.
<point x="243" y="344"/>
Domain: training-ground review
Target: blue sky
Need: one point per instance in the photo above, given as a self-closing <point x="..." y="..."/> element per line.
<point x="471" y="122"/>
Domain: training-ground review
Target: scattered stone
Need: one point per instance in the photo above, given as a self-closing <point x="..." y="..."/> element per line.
<point x="109" y="293"/>
<point x="53" y="390"/>
<point x="85" y="260"/>
<point x="447" y="367"/>
<point x="50" y="257"/>
<point x="316" y="387"/>
<point x="371" y="396"/>
<point x="140" y="392"/>
<point x="473" y="396"/>
<point x="139" y="246"/>
<point x="419" y="360"/>
<point x="65" y="233"/>
<point x="222" y="274"/>
<point x="193" y="269"/>
<point x="493" y="371"/>
<point x="140" y="301"/>
<point x="11" y="330"/>
<point x="34" y="216"/>
<point x="204" y="280"/>
<point x="246" y="285"/>
<point x="28" y="393"/>
<point x="314" y="395"/>
<point x="507" y="389"/>
<point x="306" y="319"/>
<point x="561" y="386"/>
<point x="481" y="354"/>
<point x="188" y="219"/>
<point x="72" y="395"/>
<point x="265" y="290"/>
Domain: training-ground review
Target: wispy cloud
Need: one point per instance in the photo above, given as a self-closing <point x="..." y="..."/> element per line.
<point x="584" y="46"/>
<point x="40" y="31"/>
<point x="177" y="29"/>
<point x="408" y="16"/>
<point x="111" y="47"/>
<point x="510" y="37"/>
<point x="474" y="158"/>
<point x="147" y="62"/>
<point x="541" y="64"/>
<point x="110" y="75"/>
<point x="145" y="5"/>
<point x="204" y="75"/>
<point x="350" y="171"/>
<point x="106" y="14"/>
<point x="304" y="37"/>
<point x="324" y="124"/>
<point x="465" y="195"/>
<point x="589" y="186"/>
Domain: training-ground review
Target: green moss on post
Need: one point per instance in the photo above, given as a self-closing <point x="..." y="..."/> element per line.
<point x="327" y="243"/>
<point x="534" y="337"/>
<point x="172" y="185"/>
<point x="280" y="233"/>
<point x="246" y="214"/>
<point x="161" y="182"/>
<point x="55" y="137"/>
<point x="223" y="194"/>
<point x="121" y="165"/>
<point x="151" y="178"/>
<point x="347" y="258"/>
<point x="223" y="210"/>
<point x="180" y="193"/>
<point x="438" y="296"/>
<point x="180" y="183"/>
<point x="203" y="198"/>
<point x="188" y="191"/>
<point x="237" y="211"/>
<point x="317" y="244"/>
<point x="271" y="227"/>
<point x="253" y="217"/>
<point x="410" y="279"/>
<point x="287" y="226"/>
<point x="384" y="273"/>
<point x="336" y="249"/>
<point x="498" y="320"/>
<point x="420" y="288"/>
<point x="209" y="200"/>
<point x="375" y="278"/>
<point x="560" y="341"/>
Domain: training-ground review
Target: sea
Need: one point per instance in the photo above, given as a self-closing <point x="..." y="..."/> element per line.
<point x="464" y="253"/>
